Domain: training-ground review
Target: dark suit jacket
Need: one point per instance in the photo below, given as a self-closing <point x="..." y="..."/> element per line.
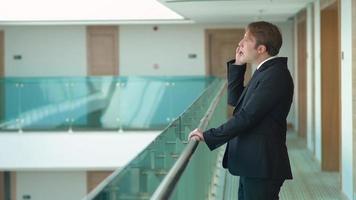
<point x="256" y="133"/>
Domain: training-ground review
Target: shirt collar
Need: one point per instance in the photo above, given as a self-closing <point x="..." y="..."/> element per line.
<point x="270" y="58"/>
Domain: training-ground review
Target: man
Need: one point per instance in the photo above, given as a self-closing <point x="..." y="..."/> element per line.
<point x="256" y="133"/>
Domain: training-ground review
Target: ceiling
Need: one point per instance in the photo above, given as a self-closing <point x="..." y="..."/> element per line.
<point x="234" y="11"/>
<point x="14" y="12"/>
<point x="146" y="11"/>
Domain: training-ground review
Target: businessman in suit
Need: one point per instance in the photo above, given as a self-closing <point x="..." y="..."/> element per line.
<point x="256" y="133"/>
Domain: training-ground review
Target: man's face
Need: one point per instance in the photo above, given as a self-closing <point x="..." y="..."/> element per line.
<point x="247" y="48"/>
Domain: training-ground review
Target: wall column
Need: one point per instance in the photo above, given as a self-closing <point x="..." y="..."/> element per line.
<point x="353" y="120"/>
<point x="317" y="82"/>
<point x="310" y="79"/>
<point x="347" y="88"/>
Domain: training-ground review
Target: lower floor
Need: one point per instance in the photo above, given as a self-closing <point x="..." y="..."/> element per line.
<point x="309" y="181"/>
<point x="43" y="185"/>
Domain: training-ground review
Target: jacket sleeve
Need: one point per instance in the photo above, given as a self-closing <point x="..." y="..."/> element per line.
<point x="271" y="89"/>
<point x="235" y="81"/>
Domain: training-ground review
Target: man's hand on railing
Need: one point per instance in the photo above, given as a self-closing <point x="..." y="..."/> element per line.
<point x="196" y="135"/>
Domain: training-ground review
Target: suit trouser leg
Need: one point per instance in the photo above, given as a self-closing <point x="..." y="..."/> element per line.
<point x="259" y="189"/>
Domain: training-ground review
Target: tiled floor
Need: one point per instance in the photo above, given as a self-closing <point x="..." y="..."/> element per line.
<point x="309" y="182"/>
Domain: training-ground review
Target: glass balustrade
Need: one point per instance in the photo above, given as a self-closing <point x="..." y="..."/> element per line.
<point x="172" y="104"/>
<point x="95" y="103"/>
<point x="141" y="177"/>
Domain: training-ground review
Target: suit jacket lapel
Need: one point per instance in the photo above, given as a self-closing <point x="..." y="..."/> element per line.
<point x="240" y="99"/>
<point x="263" y="67"/>
<point x="245" y="90"/>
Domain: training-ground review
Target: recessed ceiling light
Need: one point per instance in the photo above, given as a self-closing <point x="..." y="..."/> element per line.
<point x="83" y="10"/>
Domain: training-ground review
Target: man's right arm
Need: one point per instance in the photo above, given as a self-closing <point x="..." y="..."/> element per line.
<point x="235" y="80"/>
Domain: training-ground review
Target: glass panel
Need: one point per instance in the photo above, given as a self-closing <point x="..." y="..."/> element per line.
<point x="140" y="178"/>
<point x="91" y="105"/>
<point x="202" y="164"/>
<point x="44" y="104"/>
<point x="115" y="103"/>
<point x="96" y="103"/>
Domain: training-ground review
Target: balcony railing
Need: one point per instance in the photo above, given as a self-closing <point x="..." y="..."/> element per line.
<point x="164" y="165"/>
<point x="95" y="103"/>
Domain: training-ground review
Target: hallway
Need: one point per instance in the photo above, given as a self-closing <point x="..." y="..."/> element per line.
<point x="309" y="182"/>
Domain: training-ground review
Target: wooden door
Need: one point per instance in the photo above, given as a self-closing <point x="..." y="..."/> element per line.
<point x="221" y="45"/>
<point x="302" y="78"/>
<point x="94" y="178"/>
<point x="220" y="48"/>
<point x="330" y="87"/>
<point x="102" y="50"/>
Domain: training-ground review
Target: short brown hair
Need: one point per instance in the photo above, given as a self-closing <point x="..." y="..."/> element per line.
<point x="266" y="34"/>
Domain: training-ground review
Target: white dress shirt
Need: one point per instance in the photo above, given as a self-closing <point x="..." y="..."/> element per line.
<point x="270" y="58"/>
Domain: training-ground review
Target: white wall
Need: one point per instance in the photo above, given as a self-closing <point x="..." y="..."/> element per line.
<point x="317" y="82"/>
<point x="80" y="151"/>
<point x="61" y="50"/>
<point x="287" y="50"/>
<point x="141" y="48"/>
<point x="51" y="185"/>
<point x="45" y="51"/>
<point x="310" y="78"/>
<point x="346" y="100"/>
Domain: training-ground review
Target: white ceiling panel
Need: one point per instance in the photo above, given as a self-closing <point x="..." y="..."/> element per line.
<point x="81" y="11"/>
<point x="234" y="11"/>
<point x="146" y="11"/>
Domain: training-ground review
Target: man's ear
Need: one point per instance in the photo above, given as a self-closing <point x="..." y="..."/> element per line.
<point x="261" y="49"/>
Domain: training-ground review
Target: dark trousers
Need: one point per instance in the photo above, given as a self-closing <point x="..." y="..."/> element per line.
<point x="259" y="189"/>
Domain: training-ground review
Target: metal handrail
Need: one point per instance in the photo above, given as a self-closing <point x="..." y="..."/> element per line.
<point x="184" y="157"/>
<point x="165" y="189"/>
